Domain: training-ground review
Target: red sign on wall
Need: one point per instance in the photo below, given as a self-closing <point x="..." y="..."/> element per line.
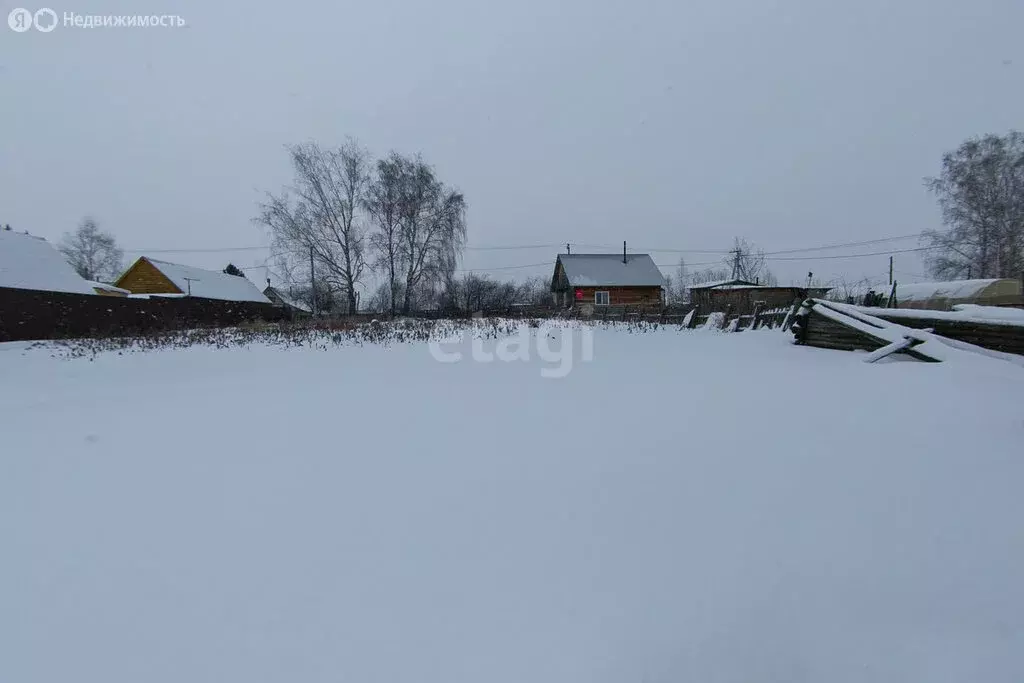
<point x="579" y="294"/>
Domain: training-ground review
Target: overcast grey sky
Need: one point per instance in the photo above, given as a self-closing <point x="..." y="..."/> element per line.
<point x="672" y="124"/>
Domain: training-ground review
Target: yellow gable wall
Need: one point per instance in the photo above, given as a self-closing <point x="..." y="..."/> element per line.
<point x="144" y="278"/>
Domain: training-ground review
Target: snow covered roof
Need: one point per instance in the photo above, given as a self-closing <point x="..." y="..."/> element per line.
<point x="976" y="312"/>
<point x="209" y="284"/>
<point x="745" y="284"/>
<point x="961" y="313"/>
<point x="722" y="284"/>
<point x="29" y="262"/>
<point x="923" y="291"/>
<point x="608" y="270"/>
<point x="741" y="287"/>
<point x="287" y="299"/>
<point x="107" y="288"/>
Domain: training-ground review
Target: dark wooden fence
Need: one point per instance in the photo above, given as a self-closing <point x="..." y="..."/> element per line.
<point x="827" y="325"/>
<point x="33" y="315"/>
<point x="1005" y="337"/>
<point x="29" y="314"/>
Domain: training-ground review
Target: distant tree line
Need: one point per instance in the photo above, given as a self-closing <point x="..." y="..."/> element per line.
<point x="346" y="215"/>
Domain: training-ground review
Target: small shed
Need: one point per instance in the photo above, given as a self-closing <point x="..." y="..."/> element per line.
<point x="606" y="280"/>
<point x="282" y="299"/>
<point x="151" y="276"/>
<point x="743" y="296"/>
<point x="943" y="296"/>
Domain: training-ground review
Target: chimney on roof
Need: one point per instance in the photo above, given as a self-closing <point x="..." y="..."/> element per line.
<point x="268" y="282"/>
<point x="568" y="250"/>
<point x="624" y="251"/>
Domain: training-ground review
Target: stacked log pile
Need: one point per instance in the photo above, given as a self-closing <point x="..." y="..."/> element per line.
<point x="811" y="328"/>
<point x="1005" y="337"/>
<point x="828" y="325"/>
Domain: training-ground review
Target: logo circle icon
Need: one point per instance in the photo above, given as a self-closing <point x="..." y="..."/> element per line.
<point x="20" y="19"/>
<point x="45" y="20"/>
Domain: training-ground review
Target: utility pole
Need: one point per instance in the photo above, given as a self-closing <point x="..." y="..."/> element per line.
<point x="624" y="251"/>
<point x="736" y="263"/>
<point x="890" y="271"/>
<point x="312" y="281"/>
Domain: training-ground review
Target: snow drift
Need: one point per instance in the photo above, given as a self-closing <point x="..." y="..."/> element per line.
<point x="687" y="507"/>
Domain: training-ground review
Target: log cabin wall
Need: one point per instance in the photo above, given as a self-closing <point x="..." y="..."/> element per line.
<point x="621" y="296"/>
<point x="145" y="278"/>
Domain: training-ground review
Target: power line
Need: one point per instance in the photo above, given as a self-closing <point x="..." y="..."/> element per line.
<point x="616" y="249"/>
<point x="193" y="251"/>
<point x="215" y="250"/>
<point x="769" y="256"/>
<point x="723" y="252"/>
<point x="483" y="270"/>
<point x="514" y="247"/>
<point x="840" y="256"/>
<point x="841" y="246"/>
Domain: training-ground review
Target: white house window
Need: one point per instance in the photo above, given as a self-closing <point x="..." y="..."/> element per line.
<point x="601" y="298"/>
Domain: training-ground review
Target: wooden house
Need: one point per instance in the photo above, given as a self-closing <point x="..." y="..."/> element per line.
<point x="596" y="280"/>
<point x="150" y="276"/>
<point x="742" y="296"/>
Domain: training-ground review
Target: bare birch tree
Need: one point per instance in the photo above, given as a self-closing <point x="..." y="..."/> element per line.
<point x="384" y="206"/>
<point x="432" y="229"/>
<point x="318" y="217"/>
<point x="749" y="263"/>
<point x="92" y="253"/>
<point x="981" y="193"/>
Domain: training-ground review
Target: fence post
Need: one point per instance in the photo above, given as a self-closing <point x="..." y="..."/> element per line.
<point x="789" y="317"/>
<point x="757" y="317"/>
<point x="725" y="320"/>
<point x="800" y="324"/>
<point x="693" y="318"/>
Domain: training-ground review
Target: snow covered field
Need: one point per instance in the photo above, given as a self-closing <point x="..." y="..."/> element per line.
<point x="688" y="506"/>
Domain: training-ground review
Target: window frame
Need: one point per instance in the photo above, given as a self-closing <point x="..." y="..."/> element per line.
<point x="607" y="298"/>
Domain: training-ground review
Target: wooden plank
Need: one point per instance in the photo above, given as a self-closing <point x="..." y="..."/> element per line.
<point x="887" y="351"/>
<point x="756" y="322"/>
<point x="828" y="331"/>
<point x="694" y="318"/>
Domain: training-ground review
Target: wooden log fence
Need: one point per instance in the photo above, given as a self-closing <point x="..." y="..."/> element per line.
<point x="996" y="336"/>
